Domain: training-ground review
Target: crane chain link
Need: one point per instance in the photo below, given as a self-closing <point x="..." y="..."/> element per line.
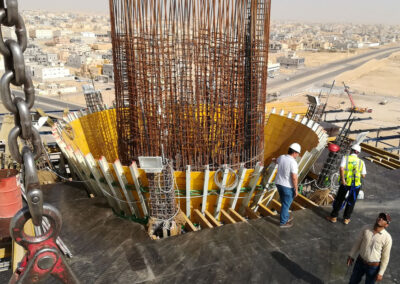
<point x="17" y="75"/>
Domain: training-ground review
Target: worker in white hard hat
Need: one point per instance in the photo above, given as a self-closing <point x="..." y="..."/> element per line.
<point x="286" y="182"/>
<point x="352" y="168"/>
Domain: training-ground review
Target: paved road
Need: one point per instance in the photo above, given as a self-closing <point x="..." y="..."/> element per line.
<point x="327" y="71"/>
<point x="49" y="104"/>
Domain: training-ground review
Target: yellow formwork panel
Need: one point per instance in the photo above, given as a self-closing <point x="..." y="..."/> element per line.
<point x="281" y="131"/>
<point x="196" y="185"/>
<point x="77" y="139"/>
<point x="101" y="140"/>
<point x="197" y="182"/>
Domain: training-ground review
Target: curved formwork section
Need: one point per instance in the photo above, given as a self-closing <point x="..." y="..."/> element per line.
<point x="282" y="130"/>
<point x="208" y="198"/>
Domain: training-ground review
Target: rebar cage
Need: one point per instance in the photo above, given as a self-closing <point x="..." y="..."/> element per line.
<point x="190" y="80"/>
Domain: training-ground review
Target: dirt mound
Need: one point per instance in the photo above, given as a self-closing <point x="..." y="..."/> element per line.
<point x="363" y="70"/>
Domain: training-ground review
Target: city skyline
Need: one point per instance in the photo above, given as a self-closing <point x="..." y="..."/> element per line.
<point x="355" y="11"/>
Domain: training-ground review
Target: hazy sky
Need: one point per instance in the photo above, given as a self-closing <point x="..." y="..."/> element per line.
<point x="358" y="11"/>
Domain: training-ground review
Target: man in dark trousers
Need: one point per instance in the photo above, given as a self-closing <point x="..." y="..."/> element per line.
<point x="352" y="168"/>
<point x="373" y="250"/>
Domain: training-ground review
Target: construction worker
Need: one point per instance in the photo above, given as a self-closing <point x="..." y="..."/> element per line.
<point x="373" y="250"/>
<point x="352" y="168"/>
<point x="286" y="182"/>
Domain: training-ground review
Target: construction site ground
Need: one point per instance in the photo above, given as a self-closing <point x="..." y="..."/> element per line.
<point x="108" y="249"/>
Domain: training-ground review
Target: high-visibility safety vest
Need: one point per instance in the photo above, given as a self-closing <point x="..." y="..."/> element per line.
<point x="352" y="170"/>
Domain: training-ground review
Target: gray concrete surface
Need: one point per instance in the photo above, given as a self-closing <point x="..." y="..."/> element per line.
<point x="108" y="249"/>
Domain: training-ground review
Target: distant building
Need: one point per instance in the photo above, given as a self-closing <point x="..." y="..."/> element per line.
<point x="273" y="69"/>
<point x="371" y="44"/>
<point x="339" y="45"/>
<point x="41" y="58"/>
<point x="34" y="54"/>
<point x="101" y="46"/>
<point x="108" y="56"/>
<point x="88" y="37"/>
<point x="315" y="45"/>
<point x="62" y="33"/>
<point x="275" y="47"/>
<point x="103" y="36"/>
<point x="40" y="34"/>
<point x="76" y="60"/>
<point x="108" y="70"/>
<point x="291" y="61"/>
<point x="52" y="57"/>
<point x="61" y="40"/>
<point x="42" y="73"/>
<point x="296" y="46"/>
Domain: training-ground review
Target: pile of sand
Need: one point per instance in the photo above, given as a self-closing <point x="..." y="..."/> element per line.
<point x="357" y="73"/>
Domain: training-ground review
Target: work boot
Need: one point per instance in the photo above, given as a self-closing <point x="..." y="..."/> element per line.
<point x="290" y="219"/>
<point x="346" y="221"/>
<point x="287" y="225"/>
<point x="331" y="219"/>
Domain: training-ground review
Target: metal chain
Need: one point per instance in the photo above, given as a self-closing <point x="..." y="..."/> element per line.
<point x="43" y="256"/>
<point x="17" y="75"/>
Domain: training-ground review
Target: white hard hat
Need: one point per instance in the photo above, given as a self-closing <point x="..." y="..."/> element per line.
<point x="356" y="147"/>
<point x="360" y="195"/>
<point x="295" y="147"/>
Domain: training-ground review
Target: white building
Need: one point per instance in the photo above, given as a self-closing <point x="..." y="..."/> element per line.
<point x="41" y="34"/>
<point x="371" y="44"/>
<point x="88" y="37"/>
<point x="273" y="69"/>
<point x="42" y="73"/>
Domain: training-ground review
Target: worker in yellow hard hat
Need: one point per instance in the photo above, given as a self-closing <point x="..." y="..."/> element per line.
<point x="352" y="168"/>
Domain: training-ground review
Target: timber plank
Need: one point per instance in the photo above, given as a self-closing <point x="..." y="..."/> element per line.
<point x="236" y="216"/>
<point x="275" y="205"/>
<point x="265" y="211"/>
<point x="211" y="219"/>
<point x="296" y="206"/>
<point x="226" y="218"/>
<point x="305" y="202"/>
<point x="188" y="224"/>
<point x="198" y="217"/>
<point x="250" y="214"/>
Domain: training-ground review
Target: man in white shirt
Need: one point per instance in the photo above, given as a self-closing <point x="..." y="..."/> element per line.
<point x="286" y="182"/>
<point x="373" y="250"/>
<point x="352" y="169"/>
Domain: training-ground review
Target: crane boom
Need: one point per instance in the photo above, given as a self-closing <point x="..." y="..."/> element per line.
<point x="353" y="105"/>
